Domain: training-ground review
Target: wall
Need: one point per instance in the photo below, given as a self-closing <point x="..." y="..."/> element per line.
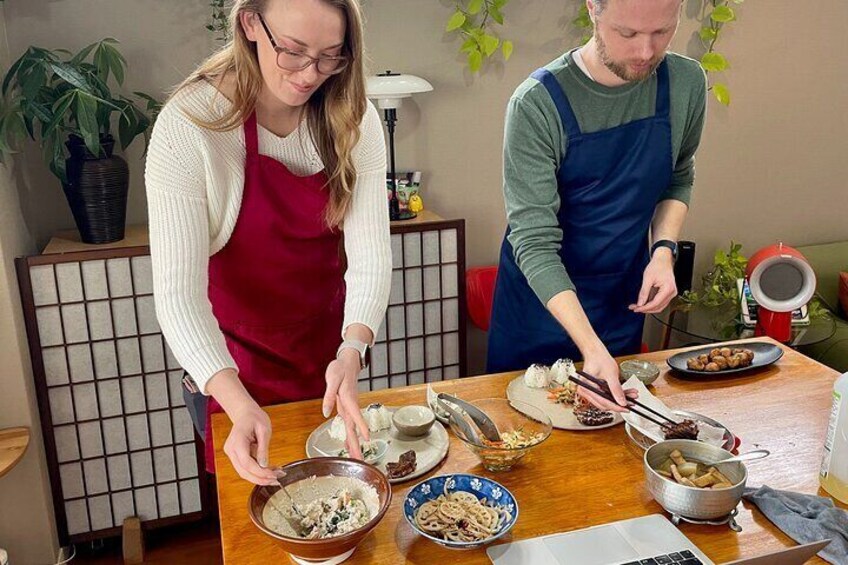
<point x="26" y="511"/>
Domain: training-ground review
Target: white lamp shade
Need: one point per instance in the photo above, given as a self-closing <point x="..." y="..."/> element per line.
<point x="389" y="90"/>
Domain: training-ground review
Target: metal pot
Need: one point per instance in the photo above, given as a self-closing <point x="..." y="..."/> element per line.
<point x="691" y="502"/>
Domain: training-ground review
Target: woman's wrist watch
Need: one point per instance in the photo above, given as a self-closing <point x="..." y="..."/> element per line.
<point x="360" y="347"/>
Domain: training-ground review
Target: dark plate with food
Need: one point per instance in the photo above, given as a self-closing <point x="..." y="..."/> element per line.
<point x="716" y="361"/>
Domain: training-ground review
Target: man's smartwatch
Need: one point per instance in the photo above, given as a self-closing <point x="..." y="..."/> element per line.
<point x="361" y="347"/>
<point x="665" y="243"/>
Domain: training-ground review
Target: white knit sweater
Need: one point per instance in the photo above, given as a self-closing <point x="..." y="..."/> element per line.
<point x="195" y="179"/>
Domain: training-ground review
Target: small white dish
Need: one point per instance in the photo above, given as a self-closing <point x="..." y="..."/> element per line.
<point x="414" y="420"/>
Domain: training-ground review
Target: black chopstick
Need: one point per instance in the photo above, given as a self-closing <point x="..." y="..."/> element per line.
<point x="608" y="396"/>
<point x="603" y="384"/>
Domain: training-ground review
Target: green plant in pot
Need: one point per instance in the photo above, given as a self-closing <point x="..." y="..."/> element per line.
<point x="65" y="102"/>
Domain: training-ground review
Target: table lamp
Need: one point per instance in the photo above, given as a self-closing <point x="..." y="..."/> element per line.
<point x="781" y="281"/>
<point x="389" y="89"/>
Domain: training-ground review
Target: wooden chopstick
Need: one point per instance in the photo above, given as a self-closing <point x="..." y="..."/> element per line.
<point x="608" y="396"/>
<point x="603" y="384"/>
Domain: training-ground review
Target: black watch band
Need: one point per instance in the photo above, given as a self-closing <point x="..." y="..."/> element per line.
<point x="665" y="243"/>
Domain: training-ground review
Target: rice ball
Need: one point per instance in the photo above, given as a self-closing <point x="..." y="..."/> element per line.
<point x="562" y="369"/>
<point x="537" y="376"/>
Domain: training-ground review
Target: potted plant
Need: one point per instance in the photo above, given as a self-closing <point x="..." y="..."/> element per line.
<point x="65" y="102"/>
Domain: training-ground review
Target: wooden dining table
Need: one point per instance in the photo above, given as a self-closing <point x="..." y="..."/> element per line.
<point x="575" y="479"/>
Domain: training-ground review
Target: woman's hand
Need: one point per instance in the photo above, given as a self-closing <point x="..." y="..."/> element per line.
<point x="342" y="393"/>
<point x="599" y="363"/>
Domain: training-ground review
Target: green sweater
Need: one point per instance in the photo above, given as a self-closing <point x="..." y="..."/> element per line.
<point x="535" y="144"/>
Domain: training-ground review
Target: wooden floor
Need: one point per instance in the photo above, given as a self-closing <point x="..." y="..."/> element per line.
<point x="189" y="544"/>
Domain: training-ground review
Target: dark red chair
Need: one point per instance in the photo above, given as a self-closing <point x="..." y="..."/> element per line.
<point x="480" y="292"/>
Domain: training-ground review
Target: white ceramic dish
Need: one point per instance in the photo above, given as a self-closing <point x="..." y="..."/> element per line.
<point x="561" y="415"/>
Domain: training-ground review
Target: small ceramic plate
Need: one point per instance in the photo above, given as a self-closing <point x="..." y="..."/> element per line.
<point x="561" y="415"/>
<point x="430" y="450"/>
<point x="731" y="442"/>
<point x="764" y="354"/>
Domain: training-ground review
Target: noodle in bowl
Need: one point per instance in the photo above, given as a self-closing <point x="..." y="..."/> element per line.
<point x="460" y="511"/>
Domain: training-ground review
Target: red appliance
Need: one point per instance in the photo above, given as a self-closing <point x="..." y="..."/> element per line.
<point x="781" y="281"/>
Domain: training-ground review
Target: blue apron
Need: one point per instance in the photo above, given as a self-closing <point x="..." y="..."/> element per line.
<point x="609" y="185"/>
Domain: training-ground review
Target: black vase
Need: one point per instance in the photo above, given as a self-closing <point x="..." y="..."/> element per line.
<point x="97" y="190"/>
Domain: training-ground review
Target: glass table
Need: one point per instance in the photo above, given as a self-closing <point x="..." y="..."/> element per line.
<point x="687" y="324"/>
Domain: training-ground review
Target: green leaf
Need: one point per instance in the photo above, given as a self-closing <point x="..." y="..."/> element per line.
<point x="101" y="61"/>
<point x="87" y="122"/>
<point x="714" y="62"/>
<point x="490" y="44"/>
<point x="474" y="6"/>
<point x="507" y="48"/>
<point x="475" y="61"/>
<point x="59" y="109"/>
<point x="127" y="125"/>
<point x="496" y="14"/>
<point x="722" y="14"/>
<point x="116" y="64"/>
<point x="468" y="45"/>
<point x="722" y="94"/>
<point x="708" y="33"/>
<point x="70" y="75"/>
<point x="83" y="54"/>
<point x="13" y="70"/>
<point x="456" y="21"/>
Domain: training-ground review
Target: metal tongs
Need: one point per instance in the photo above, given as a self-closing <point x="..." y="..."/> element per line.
<point x="480" y="419"/>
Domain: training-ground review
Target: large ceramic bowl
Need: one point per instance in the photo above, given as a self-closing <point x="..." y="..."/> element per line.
<point x="334" y="549"/>
<point x="481" y="487"/>
<point x="507" y="417"/>
<point x="693" y="502"/>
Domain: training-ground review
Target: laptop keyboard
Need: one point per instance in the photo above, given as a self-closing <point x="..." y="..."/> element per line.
<point x="685" y="557"/>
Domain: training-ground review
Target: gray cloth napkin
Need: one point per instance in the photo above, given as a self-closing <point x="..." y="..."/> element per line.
<point x="805" y="518"/>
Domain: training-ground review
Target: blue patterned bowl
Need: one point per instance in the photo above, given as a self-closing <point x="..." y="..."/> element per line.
<point x="481" y="487"/>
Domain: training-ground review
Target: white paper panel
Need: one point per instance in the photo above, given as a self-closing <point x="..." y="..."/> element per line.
<point x="77" y="515"/>
<point x="186" y="461"/>
<point x="416" y="378"/>
<point x="75" y="323"/>
<point x="67" y="448"/>
<point x="94" y="278"/>
<point x="175" y="387"/>
<point x="123" y="311"/>
<point x="100" y="320"/>
<point x="379" y="365"/>
<point x="380" y="384"/>
<point x="91" y="440"/>
<point x="61" y="407"/>
<point x="95" y="476"/>
<point x="450" y="314"/>
<point x="43" y="285"/>
<point x="413" y="285"/>
<point x="397" y="254"/>
<point x="431" y="283"/>
<point x="55" y="366"/>
<point x="397" y="357"/>
<point x="397" y="381"/>
<point x="450" y="343"/>
<point x="70" y="282"/>
<point x="133" y="393"/>
<point x="397" y="322"/>
<point x="118" y="272"/>
<point x="114" y="435"/>
<point x="79" y="358"/>
<point x="49" y="326"/>
<point x="434" y="351"/>
<point x="129" y="356"/>
<point x="434" y="375"/>
<point x="137" y="432"/>
<point x="160" y="432"/>
<point x="396" y="294"/>
<point x="70" y="475"/>
<point x="415" y="319"/>
<point x="416" y="353"/>
<point x="152" y="353"/>
<point x="432" y="317"/>
<point x="145" y="499"/>
<point x="142" y="468"/>
<point x="381" y="331"/>
<point x="142" y="274"/>
<point x="109" y="394"/>
<point x="449" y="281"/>
<point x="190" y="496"/>
<point x="449" y="254"/>
<point x="105" y="359"/>
<point x="412" y="249"/>
<point x="431" y="247"/>
<point x="170" y="360"/>
<point x="147" y="322"/>
<point x="119" y="472"/>
<point x="168" y="500"/>
<point x="157" y="391"/>
<point x="183" y="427"/>
<point x="452" y="372"/>
<point x="101" y="512"/>
<point x="85" y="402"/>
<point x="363" y="386"/>
<point x="122" y="506"/>
<point x="163" y="462"/>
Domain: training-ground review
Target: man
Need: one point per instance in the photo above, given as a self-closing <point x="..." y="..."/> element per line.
<point x="598" y="169"/>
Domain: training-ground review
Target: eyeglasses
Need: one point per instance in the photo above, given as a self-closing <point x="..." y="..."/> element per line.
<point x="289" y="60"/>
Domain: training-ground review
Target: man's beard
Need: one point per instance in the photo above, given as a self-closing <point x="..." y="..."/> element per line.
<point x="620" y="70"/>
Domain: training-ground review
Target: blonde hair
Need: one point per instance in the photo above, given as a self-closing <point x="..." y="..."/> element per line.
<point x="333" y="112"/>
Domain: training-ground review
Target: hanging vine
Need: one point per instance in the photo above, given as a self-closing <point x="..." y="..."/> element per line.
<point x="220" y="20"/>
<point x="474" y="20"/>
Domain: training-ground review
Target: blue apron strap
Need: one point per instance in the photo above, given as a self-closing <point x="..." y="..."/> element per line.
<point x="566" y="114"/>
<point x="663" y="90"/>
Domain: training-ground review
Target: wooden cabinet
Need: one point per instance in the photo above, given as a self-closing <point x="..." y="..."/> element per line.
<point x="118" y="438"/>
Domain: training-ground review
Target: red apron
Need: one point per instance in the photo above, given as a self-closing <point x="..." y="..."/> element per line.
<point x="277" y="286"/>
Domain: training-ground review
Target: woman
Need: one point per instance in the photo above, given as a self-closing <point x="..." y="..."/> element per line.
<point x="257" y="164"/>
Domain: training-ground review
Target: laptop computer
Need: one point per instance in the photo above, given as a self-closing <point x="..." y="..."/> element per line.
<point x="649" y="540"/>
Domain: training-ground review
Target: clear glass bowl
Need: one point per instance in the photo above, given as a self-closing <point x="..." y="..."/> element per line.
<point x="509" y="417"/>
